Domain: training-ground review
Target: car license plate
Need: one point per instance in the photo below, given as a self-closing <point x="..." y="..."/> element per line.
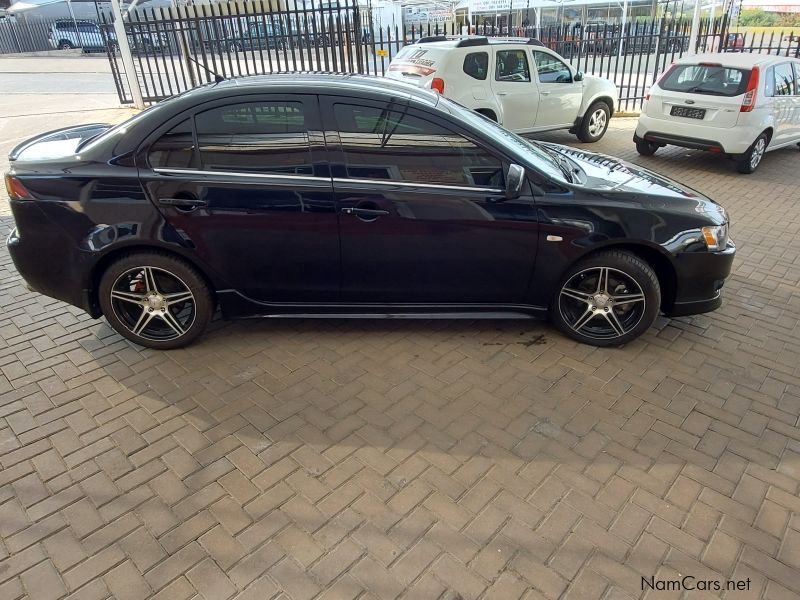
<point x="688" y="112"/>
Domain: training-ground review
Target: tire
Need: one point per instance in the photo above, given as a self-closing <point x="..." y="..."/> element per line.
<point x="748" y="162"/>
<point x="234" y="47"/>
<point x="66" y="45"/>
<point x="159" y="300"/>
<point x="607" y="299"/>
<point x="594" y="123"/>
<point x="646" y="148"/>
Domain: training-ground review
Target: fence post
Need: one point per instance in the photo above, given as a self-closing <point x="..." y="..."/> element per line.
<point x="695" y="28"/>
<point x="127" y="57"/>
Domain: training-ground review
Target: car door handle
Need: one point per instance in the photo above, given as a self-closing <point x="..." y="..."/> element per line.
<point x="365" y="213"/>
<point x="183" y="202"/>
<point x="545" y="93"/>
<point x="502" y="93"/>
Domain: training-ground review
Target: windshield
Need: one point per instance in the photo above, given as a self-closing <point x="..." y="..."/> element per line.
<point x="535" y="153"/>
<point x="714" y="80"/>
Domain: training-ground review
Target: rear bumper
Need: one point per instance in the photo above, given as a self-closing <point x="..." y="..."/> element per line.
<point x="700" y="278"/>
<point x="732" y="140"/>
<point x="57" y="274"/>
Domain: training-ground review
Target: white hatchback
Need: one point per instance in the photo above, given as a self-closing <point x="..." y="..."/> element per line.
<point x="519" y="83"/>
<point x="742" y="105"/>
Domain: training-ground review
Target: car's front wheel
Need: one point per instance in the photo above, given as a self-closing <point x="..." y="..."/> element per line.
<point x="594" y="123"/>
<point x="65" y="45"/>
<point x="607" y="299"/>
<point x="155" y="300"/>
<point x="749" y="161"/>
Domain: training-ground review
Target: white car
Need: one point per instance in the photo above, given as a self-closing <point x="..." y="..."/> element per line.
<point x="519" y="83"/>
<point x="742" y="105"/>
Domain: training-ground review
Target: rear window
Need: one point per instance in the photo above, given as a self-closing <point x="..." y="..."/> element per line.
<point x="706" y="79"/>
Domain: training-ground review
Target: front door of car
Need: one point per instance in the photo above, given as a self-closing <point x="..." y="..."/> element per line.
<point x="245" y="183"/>
<point x="559" y="94"/>
<point x="423" y="218"/>
<point x="515" y="91"/>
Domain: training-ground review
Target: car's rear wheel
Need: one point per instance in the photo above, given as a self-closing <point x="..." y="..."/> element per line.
<point x="646" y="148"/>
<point x="155" y="300"/>
<point x="65" y="45"/>
<point x="594" y="123"/>
<point x="748" y="162"/>
<point x="607" y="299"/>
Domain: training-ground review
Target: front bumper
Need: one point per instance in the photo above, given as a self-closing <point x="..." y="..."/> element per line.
<point x="733" y="140"/>
<point x="700" y="277"/>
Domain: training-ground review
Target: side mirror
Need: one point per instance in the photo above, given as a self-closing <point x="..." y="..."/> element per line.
<point x="514" y="180"/>
<point x="578" y="76"/>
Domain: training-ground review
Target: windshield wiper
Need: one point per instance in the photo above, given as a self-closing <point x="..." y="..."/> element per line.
<point x="560" y="160"/>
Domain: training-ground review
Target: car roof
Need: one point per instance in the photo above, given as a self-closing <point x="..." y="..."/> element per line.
<point x="326" y="82"/>
<point x="742" y="60"/>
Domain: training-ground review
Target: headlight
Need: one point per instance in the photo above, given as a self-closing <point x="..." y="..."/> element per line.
<point x="716" y="237"/>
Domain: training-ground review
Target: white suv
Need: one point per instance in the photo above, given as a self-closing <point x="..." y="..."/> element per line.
<point x="742" y="105"/>
<point x="519" y="83"/>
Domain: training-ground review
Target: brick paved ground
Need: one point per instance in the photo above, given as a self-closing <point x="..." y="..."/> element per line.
<point x="302" y="459"/>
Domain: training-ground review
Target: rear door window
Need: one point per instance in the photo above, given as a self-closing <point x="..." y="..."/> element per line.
<point x="255" y="137"/>
<point x="512" y="65"/>
<point x="783" y="83"/>
<point x="476" y="65"/>
<point x="713" y="80"/>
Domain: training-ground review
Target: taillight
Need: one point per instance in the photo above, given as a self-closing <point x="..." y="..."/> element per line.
<point x="437" y="85"/>
<point x="749" y="102"/>
<point x="15" y="189"/>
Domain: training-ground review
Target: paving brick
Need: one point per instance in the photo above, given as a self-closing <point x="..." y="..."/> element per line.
<point x="374" y="459"/>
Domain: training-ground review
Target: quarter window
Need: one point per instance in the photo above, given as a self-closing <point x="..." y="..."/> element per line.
<point x="476" y="65"/>
<point x="783" y="78"/>
<point x="175" y="148"/>
<point x="512" y="65"/>
<point x="257" y="137"/>
<point x="551" y="69"/>
<point x="393" y="145"/>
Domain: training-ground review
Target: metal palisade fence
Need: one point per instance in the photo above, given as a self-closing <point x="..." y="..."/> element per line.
<point x="175" y="49"/>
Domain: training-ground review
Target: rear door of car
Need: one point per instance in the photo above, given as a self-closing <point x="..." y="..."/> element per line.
<point x="245" y="182"/>
<point x="515" y="88"/>
<point x="422" y="211"/>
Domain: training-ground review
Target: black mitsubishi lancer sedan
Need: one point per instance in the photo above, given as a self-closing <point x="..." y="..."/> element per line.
<point x="344" y="196"/>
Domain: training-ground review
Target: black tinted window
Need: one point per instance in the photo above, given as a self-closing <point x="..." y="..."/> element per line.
<point x="263" y="137"/>
<point x="476" y="64"/>
<point x="385" y="144"/>
<point x="783" y="80"/>
<point x="175" y="148"/>
<point x="706" y="79"/>
<point x="512" y="65"/>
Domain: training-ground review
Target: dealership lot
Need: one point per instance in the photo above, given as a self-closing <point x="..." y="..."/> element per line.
<point x="425" y="458"/>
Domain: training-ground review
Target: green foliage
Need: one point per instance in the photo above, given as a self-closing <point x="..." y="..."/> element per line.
<point x="757" y="18"/>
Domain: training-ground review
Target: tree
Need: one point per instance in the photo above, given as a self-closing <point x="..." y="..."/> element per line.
<point x="757" y="18"/>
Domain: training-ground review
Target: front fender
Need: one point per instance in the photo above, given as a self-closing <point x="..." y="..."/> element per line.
<point x="595" y="89"/>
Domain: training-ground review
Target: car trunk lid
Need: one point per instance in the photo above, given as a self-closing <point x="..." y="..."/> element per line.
<point x="56" y="144"/>
<point x="705" y="94"/>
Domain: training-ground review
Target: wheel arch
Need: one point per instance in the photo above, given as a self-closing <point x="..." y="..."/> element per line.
<point x="115" y="254"/>
<point x="488" y="112"/>
<point x="656" y="258"/>
<point x="600" y="97"/>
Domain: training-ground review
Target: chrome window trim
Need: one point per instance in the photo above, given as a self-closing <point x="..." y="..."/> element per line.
<point x="436" y="186"/>
<point x="384" y="182"/>
<point x="239" y="174"/>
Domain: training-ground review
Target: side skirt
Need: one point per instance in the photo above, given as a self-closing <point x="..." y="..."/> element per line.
<point x="236" y="306"/>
